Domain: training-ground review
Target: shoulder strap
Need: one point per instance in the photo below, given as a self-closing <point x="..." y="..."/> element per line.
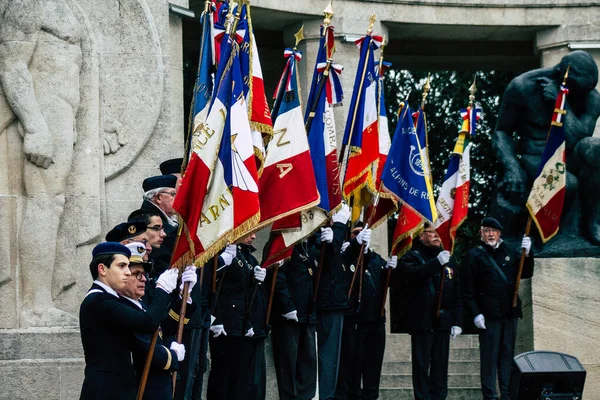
<point x="93" y="291"/>
<point x="493" y="262"/>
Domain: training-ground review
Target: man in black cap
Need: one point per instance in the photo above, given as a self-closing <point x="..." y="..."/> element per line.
<point x="128" y="232"/>
<point x="172" y="167"/>
<point x="159" y="194"/>
<point x="489" y="272"/>
<point x="107" y="325"/>
<point x="422" y="269"/>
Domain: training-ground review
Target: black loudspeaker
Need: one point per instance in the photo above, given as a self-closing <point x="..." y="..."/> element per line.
<point x="546" y="375"/>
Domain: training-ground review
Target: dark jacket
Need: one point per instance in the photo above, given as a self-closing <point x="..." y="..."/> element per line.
<point x="374" y="276"/>
<point x="333" y="286"/>
<point x="162" y="256"/>
<point x="202" y="294"/>
<point x="107" y="327"/>
<point x="485" y="290"/>
<point x="422" y="272"/>
<point x="159" y="385"/>
<point x="231" y="309"/>
<point x="295" y="283"/>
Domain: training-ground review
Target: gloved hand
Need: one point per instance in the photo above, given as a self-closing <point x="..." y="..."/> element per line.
<point x="342" y="216"/>
<point x="364" y="236"/>
<point x="392" y="263"/>
<point x="179" y="349"/>
<point x="344" y="246"/>
<point x="326" y="235"/>
<point x="227" y="258"/>
<point x="444" y="257"/>
<point x="250" y="332"/>
<point x="189" y="275"/>
<point x="455" y="331"/>
<point x="260" y="273"/>
<point x="218" y="330"/>
<point x="526" y="244"/>
<point x="167" y="281"/>
<point x="292" y="315"/>
<point x="479" y="321"/>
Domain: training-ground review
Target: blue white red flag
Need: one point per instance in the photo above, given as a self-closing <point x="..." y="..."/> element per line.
<point x="218" y="198"/>
<point x="453" y="201"/>
<point x="547" y="196"/>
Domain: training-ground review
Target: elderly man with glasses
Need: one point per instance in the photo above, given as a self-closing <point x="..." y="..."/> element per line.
<point x="431" y="321"/>
<point x="159" y="194"/>
<point x="489" y="272"/>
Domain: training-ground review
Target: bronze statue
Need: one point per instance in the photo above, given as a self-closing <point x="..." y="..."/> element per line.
<point x="519" y="140"/>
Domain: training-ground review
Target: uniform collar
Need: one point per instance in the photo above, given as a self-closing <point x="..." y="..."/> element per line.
<point x="136" y="302"/>
<point x="106" y="288"/>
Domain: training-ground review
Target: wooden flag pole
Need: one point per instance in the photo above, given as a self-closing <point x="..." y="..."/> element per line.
<point x="147" y="364"/>
<point x="275" y="271"/>
<point x="184" y="298"/>
<point x="521" y="262"/>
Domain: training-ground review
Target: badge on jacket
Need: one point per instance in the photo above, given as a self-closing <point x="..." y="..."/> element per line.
<point x="450" y="273"/>
<point x="352" y="268"/>
<point x="310" y="271"/>
<point x="507" y="258"/>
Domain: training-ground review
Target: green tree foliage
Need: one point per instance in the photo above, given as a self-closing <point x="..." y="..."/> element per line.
<point x="449" y="93"/>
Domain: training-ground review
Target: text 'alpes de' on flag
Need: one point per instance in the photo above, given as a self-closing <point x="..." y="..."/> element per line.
<point x="453" y="201"/>
<point x="218" y="198"/>
<point x="547" y="196"/>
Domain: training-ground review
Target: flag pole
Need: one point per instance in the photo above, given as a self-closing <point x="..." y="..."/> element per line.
<point x="472" y="91"/>
<point x="275" y="271"/>
<point x="372" y="20"/>
<point x="328" y="13"/>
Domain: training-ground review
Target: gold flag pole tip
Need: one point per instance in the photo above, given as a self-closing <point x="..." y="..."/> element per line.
<point x="328" y="13"/>
<point x="299" y="37"/>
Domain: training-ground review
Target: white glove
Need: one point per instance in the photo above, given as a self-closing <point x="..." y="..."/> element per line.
<point x="479" y="321"/>
<point x="250" y="332"/>
<point x="218" y="330"/>
<point x="364" y="236"/>
<point x="231" y="249"/>
<point x="526" y="244"/>
<point x="444" y="257"/>
<point x="342" y="216"/>
<point x="455" y="331"/>
<point x="179" y="349"/>
<point x="292" y="315"/>
<point x="227" y="258"/>
<point x="344" y="246"/>
<point x="392" y="263"/>
<point x="167" y="281"/>
<point x="326" y="235"/>
<point x="260" y="273"/>
<point x="189" y="275"/>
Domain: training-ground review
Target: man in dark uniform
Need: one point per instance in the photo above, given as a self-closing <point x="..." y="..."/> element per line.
<point x="422" y="269"/>
<point x="293" y="320"/>
<point x="363" y="337"/>
<point x="155" y="232"/>
<point x="107" y="325"/>
<point x="237" y="346"/>
<point x="159" y="193"/>
<point x="159" y="384"/>
<point x="172" y="167"/>
<point x="489" y="272"/>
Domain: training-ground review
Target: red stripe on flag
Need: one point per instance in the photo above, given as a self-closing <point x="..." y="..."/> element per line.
<point x="548" y="217"/>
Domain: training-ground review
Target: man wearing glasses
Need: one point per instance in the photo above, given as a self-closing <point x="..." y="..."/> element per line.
<point x="489" y="272"/>
<point x="164" y="360"/>
<point x="155" y="232"/>
<point x="159" y="194"/>
<point x="422" y="270"/>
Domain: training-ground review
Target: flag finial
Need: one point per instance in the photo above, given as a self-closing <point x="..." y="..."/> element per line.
<point x="299" y="37"/>
<point x="472" y="91"/>
<point x="426" y="88"/>
<point x="207" y="5"/>
<point x="372" y="20"/>
<point x="328" y="13"/>
<point x="566" y="75"/>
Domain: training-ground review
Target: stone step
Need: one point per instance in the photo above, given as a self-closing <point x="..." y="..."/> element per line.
<point x="48" y="379"/>
<point x="454" y="367"/>
<point x="456" y="354"/>
<point x="40" y="343"/>
<point x="454" y="380"/>
<point x="402" y="340"/>
<point x="407" y="394"/>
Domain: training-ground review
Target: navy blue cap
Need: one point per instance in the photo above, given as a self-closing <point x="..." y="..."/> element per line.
<point x="110" y="248"/>
<point x="490" y="222"/>
<point x="126" y="230"/>
<point x="172" y="166"/>
<point x="160" y="181"/>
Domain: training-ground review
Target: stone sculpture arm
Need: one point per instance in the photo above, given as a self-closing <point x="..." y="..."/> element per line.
<point x="19" y="34"/>
<point x="514" y="179"/>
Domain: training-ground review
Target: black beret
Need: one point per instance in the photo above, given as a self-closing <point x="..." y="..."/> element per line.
<point x="109" y="248"/>
<point x="172" y="166"/>
<point x="126" y="230"/>
<point x="160" y="181"/>
<point x="490" y="222"/>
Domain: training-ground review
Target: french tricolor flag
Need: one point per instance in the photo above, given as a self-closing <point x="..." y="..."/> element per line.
<point x="547" y="196"/>
<point x="218" y="198"/>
